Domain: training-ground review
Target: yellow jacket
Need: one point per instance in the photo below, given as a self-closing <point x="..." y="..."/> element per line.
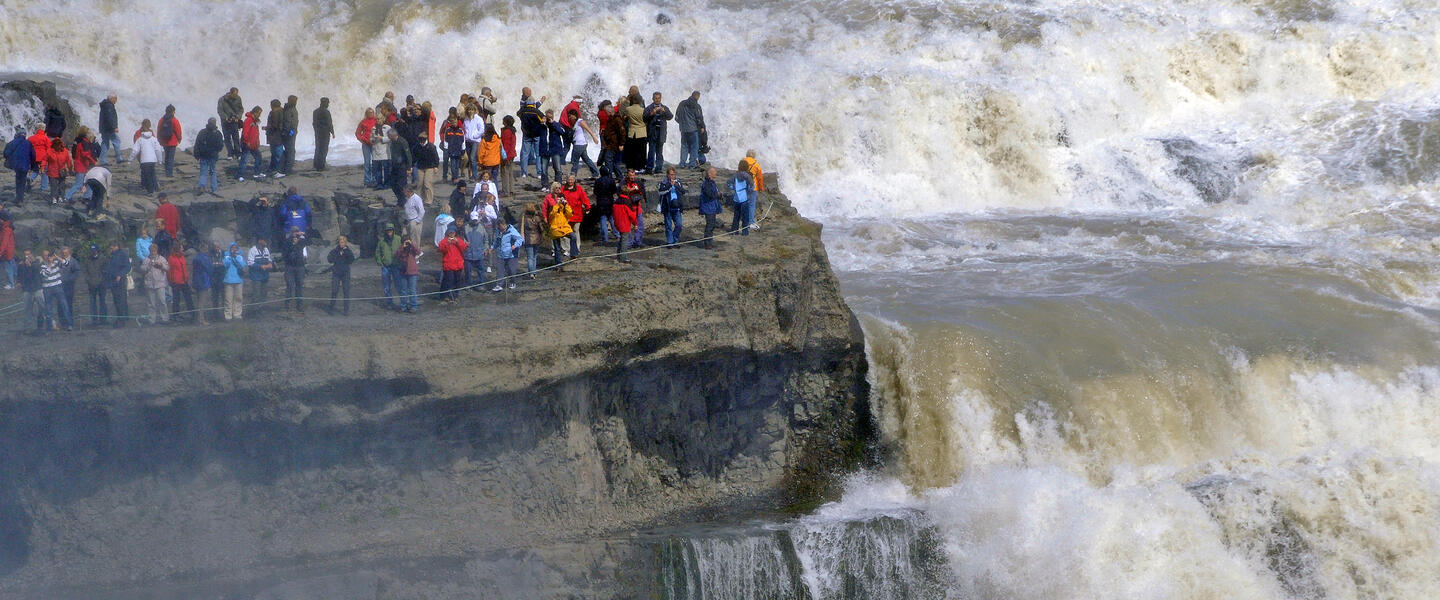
<point x="559" y="220"/>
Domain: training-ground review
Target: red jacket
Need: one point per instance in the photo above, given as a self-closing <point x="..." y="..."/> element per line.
<point x="452" y="253"/>
<point x="507" y="142"/>
<point x="364" y="129"/>
<point x="565" y="113"/>
<point x="83" y="159"/>
<point x="178" y="274"/>
<point x="171" y="214"/>
<point x="579" y="202"/>
<point x="7" y="241"/>
<point x="250" y="132"/>
<point x="624" y="217"/>
<point x="58" y="164"/>
<point x="173" y="140"/>
<point x="41" y="143"/>
<point x="603" y="116"/>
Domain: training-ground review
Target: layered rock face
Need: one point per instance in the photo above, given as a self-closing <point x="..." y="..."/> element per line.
<point x="512" y="445"/>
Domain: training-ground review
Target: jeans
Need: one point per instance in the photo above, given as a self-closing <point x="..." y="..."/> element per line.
<point x="744" y="216"/>
<point x="295" y="287"/>
<point x="97" y="196"/>
<point x="380" y="170"/>
<point x="57" y="308"/>
<point x="121" y="297"/>
<point x="607" y="225"/>
<point x="169" y="161"/>
<point x="574" y="240"/>
<point x="365" y="152"/>
<point x="8" y="268"/>
<point x="389" y="285"/>
<point x="674" y="221"/>
<point x="579" y="153"/>
<point x="277" y="157"/>
<point x="613" y="163"/>
<point x="529" y="153"/>
<point x="339" y="283"/>
<point x="109" y="141"/>
<point x="231" y="131"/>
<point x="690" y="155"/>
<point x="254" y="157"/>
<point x="549" y="164"/>
<point x="655" y="162"/>
<point x="97" y="305"/>
<point x="472" y="158"/>
<point x="78" y="185"/>
<point x="22" y="181"/>
<point x="557" y="251"/>
<point x="409" y="293"/>
<point x="637" y="235"/>
<point x="207" y="169"/>
<point x="147" y="178"/>
<point x="531" y="250"/>
<point x="44" y="180"/>
<point x="474" y="271"/>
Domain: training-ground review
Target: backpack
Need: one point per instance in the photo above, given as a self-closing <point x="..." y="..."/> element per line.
<point x="166" y="129"/>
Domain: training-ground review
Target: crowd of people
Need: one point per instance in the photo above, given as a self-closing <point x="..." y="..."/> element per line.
<point x="480" y="240"/>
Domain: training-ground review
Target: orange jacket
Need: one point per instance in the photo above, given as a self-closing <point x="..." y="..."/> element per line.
<point x="759" y="174"/>
<point x="489" y="152"/>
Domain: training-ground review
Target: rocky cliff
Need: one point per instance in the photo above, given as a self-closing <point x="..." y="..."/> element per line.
<point x="511" y="445"/>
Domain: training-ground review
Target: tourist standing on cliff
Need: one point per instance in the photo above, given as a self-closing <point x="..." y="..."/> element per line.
<point x="672" y="206"/>
<point x="427" y="168"/>
<point x="155" y="270"/>
<point x="474" y="132"/>
<point x="380" y="156"/>
<point x="57" y="168"/>
<point x="116" y="268"/>
<point x="51" y="285"/>
<point x="340" y="259"/>
<point x="20" y="158"/>
<point x="452" y="264"/>
<point x="414" y="213"/>
<point x="710" y="206"/>
<point x="70" y="274"/>
<point x="657" y="124"/>
<point x="400" y="161"/>
<point x="93" y="268"/>
<point x="605" y="189"/>
<point x="507" y="159"/>
<point x="147" y="152"/>
<point x="490" y="154"/>
<point x="581" y="136"/>
<point x="385" y="248"/>
<point x="167" y="131"/>
<point x="7" y="248"/>
<point x="623" y="213"/>
<point x="757" y="175"/>
<point x="28" y="273"/>
<point x="552" y="149"/>
<point x="742" y="190"/>
<point x="407" y="262"/>
<point x="508" y="247"/>
<point x="208" y="145"/>
<point x="633" y="194"/>
<point x="170" y="213"/>
<point x="531" y="127"/>
<point x="363" y="132"/>
<point x="478" y="240"/>
<point x="232" y="114"/>
<point x="109" y="130"/>
<point x="452" y="145"/>
<point x="250" y="145"/>
<point x="324" y="126"/>
<point x="275" y="138"/>
<point x="296" y="253"/>
<point x="290" y="130"/>
<point x="40" y="142"/>
<point x="234" y="279"/>
<point x="579" y="203"/>
<point x="691" y="119"/>
<point x="557" y="219"/>
<point x="202" y="279"/>
<point x="636" y="134"/>
<point x="612" y="140"/>
<point x="259" y="263"/>
<point x="180" y="285"/>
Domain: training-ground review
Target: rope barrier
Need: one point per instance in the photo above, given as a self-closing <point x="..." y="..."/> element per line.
<point x="18" y="306"/>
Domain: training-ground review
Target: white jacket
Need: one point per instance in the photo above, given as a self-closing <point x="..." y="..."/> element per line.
<point x="147" y="149"/>
<point x="474" y="129"/>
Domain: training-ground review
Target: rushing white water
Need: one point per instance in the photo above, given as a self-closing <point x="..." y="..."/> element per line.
<point x="1150" y="287"/>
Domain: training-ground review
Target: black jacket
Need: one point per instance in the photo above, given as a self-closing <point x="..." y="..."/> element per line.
<point x="530" y="120"/>
<point x="295" y="253"/>
<point x="209" y="143"/>
<point x="341" y="259"/>
<point x="117" y="267"/>
<point x="54" y="122"/>
<point x="427" y="157"/>
<point x="29" y="275"/>
<point x="109" y="121"/>
<point x="322" y="124"/>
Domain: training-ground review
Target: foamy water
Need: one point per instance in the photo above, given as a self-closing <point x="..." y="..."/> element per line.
<point x="1149" y="288"/>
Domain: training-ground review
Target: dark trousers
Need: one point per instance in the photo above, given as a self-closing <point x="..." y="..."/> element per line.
<point x="655" y="160"/>
<point x="121" y="297"/>
<point x="169" y="161"/>
<point x="289" y="154"/>
<point x="147" y="178"/>
<point x="294" y="286"/>
<point x="178" y="291"/>
<point x="97" y="196"/>
<point x="450" y="283"/>
<point x="474" y="271"/>
<point x="322" y="149"/>
<point x="69" y="291"/>
<point x="339" y="283"/>
<point x="231" y="131"/>
<point x="711" y="224"/>
<point x="97" y="305"/>
<point x="217" y="300"/>
<point x="399" y="178"/>
<point x="557" y="250"/>
<point x="22" y="180"/>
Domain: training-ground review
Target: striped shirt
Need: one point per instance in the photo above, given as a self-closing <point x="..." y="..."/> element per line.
<point x="50" y="274"/>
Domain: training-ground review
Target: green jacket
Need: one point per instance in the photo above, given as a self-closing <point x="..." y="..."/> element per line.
<point x="385" y="249"/>
<point x="290" y="119"/>
<point x="231" y="108"/>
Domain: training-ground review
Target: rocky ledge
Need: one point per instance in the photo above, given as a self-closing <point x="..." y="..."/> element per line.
<point x="512" y="445"/>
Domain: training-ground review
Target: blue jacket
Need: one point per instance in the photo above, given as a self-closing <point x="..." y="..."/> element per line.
<point x="297" y="214"/>
<point x="552" y="141"/>
<point x="234" y="268"/>
<point x="477" y="240"/>
<point x="742" y="186"/>
<point x="709" y="198"/>
<point x="509" y="242"/>
<point x="117" y="267"/>
<point x="200" y="271"/>
<point x="672" y="198"/>
<point x="19" y="154"/>
<point x="142" y="247"/>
